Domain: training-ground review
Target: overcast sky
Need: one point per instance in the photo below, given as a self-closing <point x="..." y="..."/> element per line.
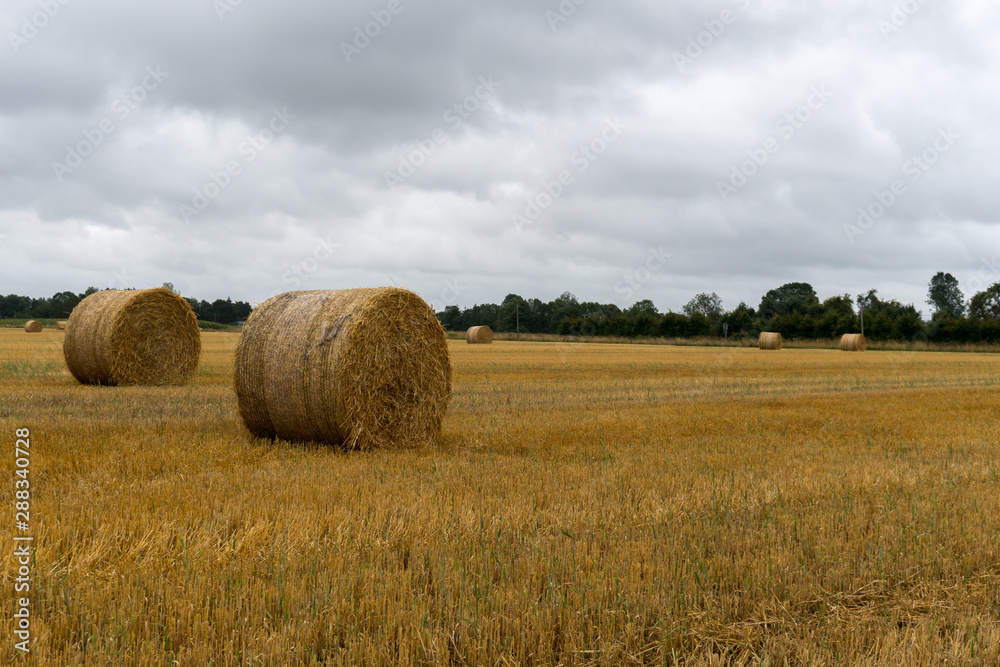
<point x="627" y="150"/>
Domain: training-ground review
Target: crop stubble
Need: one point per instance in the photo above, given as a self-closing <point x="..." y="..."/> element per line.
<point x="588" y="504"/>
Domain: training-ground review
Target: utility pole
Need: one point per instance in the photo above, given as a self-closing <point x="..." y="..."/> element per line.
<point x="861" y="310"/>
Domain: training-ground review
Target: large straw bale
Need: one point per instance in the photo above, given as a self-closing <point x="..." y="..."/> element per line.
<point x="132" y="337"/>
<point x="61" y="325"/>
<point x="361" y="368"/>
<point x="33" y="326"/>
<point x="769" y="340"/>
<point x="482" y="335"/>
<point x="853" y="343"/>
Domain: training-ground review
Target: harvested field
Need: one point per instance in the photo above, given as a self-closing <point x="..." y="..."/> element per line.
<point x="587" y="504"/>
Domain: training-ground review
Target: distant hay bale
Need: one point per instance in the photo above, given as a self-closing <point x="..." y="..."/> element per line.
<point x="361" y="368"/>
<point x="32" y="326"/>
<point x="61" y="326"/>
<point x="132" y="337"/>
<point x="853" y="343"/>
<point x="769" y="340"/>
<point x="479" y="335"/>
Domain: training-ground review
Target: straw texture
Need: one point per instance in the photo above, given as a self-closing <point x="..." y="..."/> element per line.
<point x="32" y="326"/>
<point x="769" y="340"/>
<point x="479" y="335"/>
<point x="132" y="337"/>
<point x="853" y="343"/>
<point x="361" y="368"/>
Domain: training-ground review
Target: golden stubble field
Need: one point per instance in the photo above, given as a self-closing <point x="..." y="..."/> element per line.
<point x="588" y="504"/>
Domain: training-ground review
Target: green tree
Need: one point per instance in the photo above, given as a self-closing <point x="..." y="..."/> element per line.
<point x="789" y="298"/>
<point x="986" y="303"/>
<point x="567" y="298"/>
<point x="674" y="325"/>
<point x="943" y="293"/>
<point x="512" y="310"/>
<point x="907" y="325"/>
<point x="741" y="319"/>
<point x="885" y="320"/>
<point x="565" y="306"/>
<point x="644" y="307"/>
<point x="708" y="304"/>
<point x="699" y="325"/>
<point x="62" y="304"/>
<point x="13" y="305"/>
<point x="645" y="324"/>
<point x="838" y="317"/>
<point x="222" y="311"/>
<point x="449" y="317"/>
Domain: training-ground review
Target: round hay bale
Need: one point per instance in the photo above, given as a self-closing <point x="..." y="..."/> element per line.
<point x="61" y="326"/>
<point x="132" y="337"/>
<point x="32" y="326"/>
<point x="479" y="335"/>
<point x="853" y="343"/>
<point x="360" y="368"/>
<point x="769" y="340"/>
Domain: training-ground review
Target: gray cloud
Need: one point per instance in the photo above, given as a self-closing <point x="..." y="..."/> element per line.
<point x="446" y="229"/>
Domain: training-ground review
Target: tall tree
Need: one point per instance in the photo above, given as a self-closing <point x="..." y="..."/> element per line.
<point x="449" y="317"/>
<point x="642" y="307"/>
<point x="709" y="305"/>
<point x="513" y="310"/>
<point x="62" y="304"/>
<point x="838" y="316"/>
<point x="986" y="303"/>
<point x="789" y="298"/>
<point x="741" y="318"/>
<point x="944" y="295"/>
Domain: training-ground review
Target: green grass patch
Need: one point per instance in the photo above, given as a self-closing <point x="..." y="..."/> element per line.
<point x="31" y="369"/>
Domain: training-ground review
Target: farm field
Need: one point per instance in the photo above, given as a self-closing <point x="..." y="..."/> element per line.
<point x="587" y="504"/>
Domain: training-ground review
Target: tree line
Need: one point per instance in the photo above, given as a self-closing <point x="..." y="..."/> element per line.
<point x="61" y="304"/>
<point x="794" y="310"/>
